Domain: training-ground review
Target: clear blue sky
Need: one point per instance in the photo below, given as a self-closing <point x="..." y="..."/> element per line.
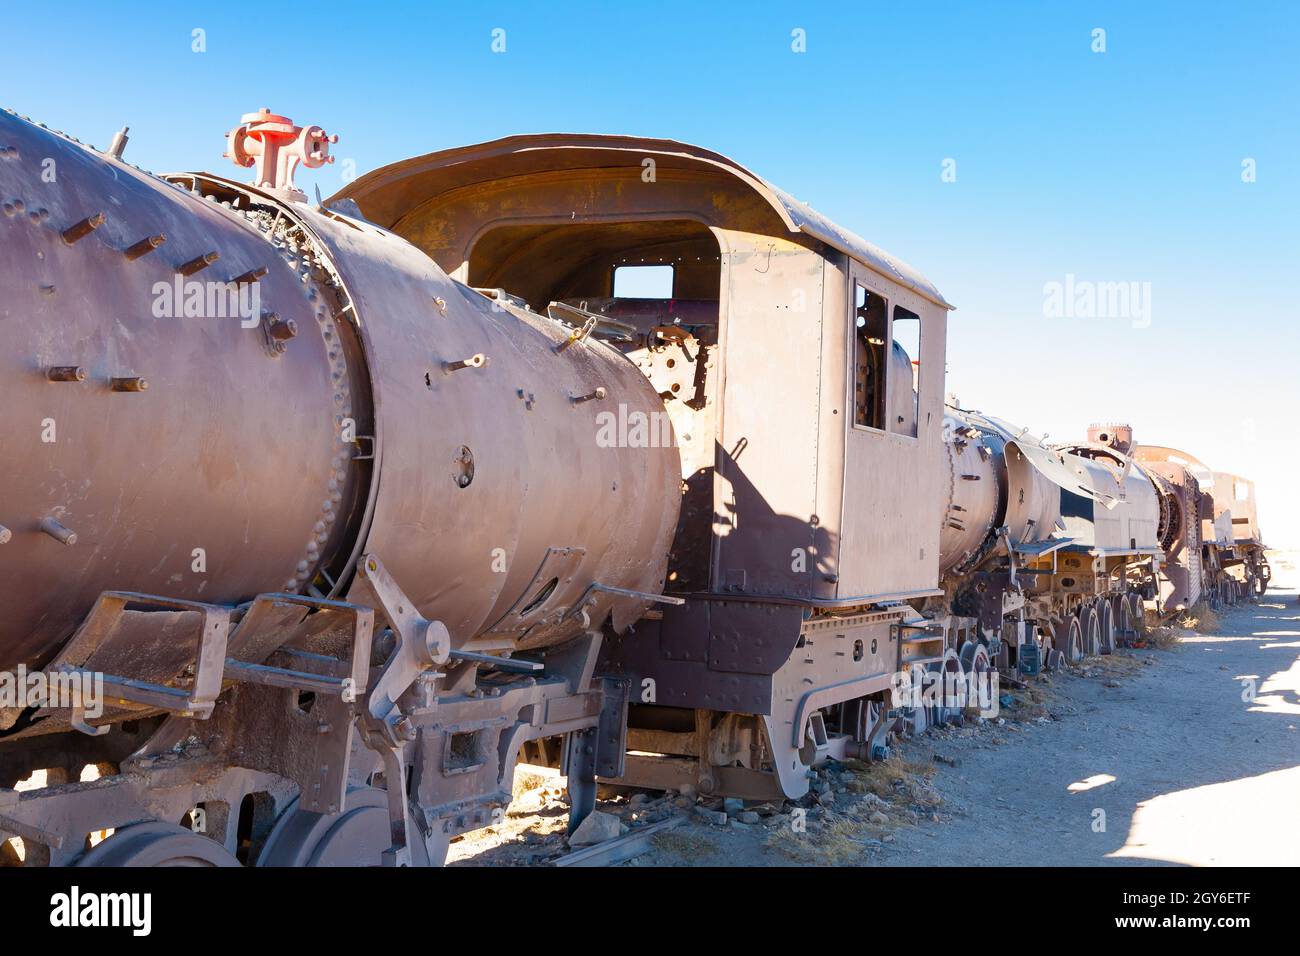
<point x="1117" y="166"/>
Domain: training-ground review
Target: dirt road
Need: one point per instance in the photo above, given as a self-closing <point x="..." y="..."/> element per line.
<point x="1184" y="769"/>
<point x="1186" y="755"/>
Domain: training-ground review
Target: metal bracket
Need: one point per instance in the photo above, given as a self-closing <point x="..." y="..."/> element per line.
<point x="581" y="605"/>
<point x="421" y="644"/>
<point x="248" y="647"/>
<point x="98" y="631"/>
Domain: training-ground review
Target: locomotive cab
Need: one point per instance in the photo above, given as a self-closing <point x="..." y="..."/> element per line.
<point x="801" y="369"/>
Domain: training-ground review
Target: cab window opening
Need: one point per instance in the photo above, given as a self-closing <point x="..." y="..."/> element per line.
<point x="905" y="372"/>
<point x="643" y="282"/>
<point x="870" y="368"/>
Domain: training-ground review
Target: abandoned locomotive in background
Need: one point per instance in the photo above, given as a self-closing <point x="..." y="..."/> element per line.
<point x="449" y="499"/>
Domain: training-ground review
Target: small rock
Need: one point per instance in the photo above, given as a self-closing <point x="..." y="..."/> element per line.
<point x="748" y="816"/>
<point x="687" y="790"/>
<point x="879" y="818"/>
<point x="597" y="828"/>
<point x="733" y="805"/>
<point x="716" y="817"/>
<point x="638" y="799"/>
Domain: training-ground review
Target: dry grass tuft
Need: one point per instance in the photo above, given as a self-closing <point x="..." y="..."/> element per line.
<point x="526" y="780"/>
<point x="1202" y="619"/>
<point x="1115" y="665"/>
<point x="837" y="842"/>
<point x="1163" y="638"/>
<point x="1033" y="701"/>
<point x="887" y="778"/>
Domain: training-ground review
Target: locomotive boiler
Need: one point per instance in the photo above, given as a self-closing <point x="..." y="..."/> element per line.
<point x="1048" y="551"/>
<point x="267" y="452"/>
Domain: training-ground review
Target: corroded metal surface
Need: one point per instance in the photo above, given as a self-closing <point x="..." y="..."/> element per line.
<point x="227" y="450"/>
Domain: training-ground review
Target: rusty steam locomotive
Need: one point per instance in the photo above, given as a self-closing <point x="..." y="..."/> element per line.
<point x="346" y="507"/>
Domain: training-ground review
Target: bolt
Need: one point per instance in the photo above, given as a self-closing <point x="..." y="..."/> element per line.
<point x="118" y="144"/>
<point x="129" y="384"/>
<point x="58" y="532"/>
<point x="84" y="228"/>
<point x="477" y="360"/>
<point x="5" y="534"/>
<point x="145" y="246"/>
<point x="198" y="263"/>
<point x="597" y="395"/>
<point x="282" y="330"/>
<point x="252" y="275"/>
<point x="65" y="373"/>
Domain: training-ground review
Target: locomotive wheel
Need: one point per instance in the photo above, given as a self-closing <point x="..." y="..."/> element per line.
<point x="918" y="718"/>
<point x="1139" y="615"/>
<point x="1090" y="630"/>
<point x="975" y="661"/>
<point x="356" y="837"/>
<point x="1069" y="640"/>
<point x="1128" y="625"/>
<point x="158" y="844"/>
<point x="1105" y="627"/>
<point x="942" y="713"/>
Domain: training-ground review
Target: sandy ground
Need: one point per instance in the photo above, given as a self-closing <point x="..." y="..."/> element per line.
<point x="1183" y="755"/>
